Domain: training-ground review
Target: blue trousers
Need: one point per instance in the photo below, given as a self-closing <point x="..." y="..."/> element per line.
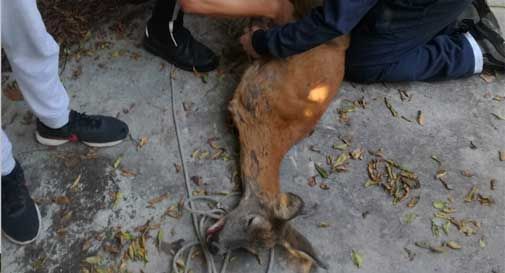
<point x="406" y="40"/>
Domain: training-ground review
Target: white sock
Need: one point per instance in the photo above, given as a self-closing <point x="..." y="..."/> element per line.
<point x="477" y="53"/>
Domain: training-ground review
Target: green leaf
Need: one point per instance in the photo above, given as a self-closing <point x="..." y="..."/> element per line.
<point x="409" y="218"/>
<point x="322" y="172"/>
<point x="357" y="258"/>
<point x="93" y="260"/>
<point x="482" y="243"/>
<point x="439" y="204"/>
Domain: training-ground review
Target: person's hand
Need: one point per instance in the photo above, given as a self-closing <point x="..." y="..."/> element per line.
<point x="246" y="41"/>
<point x="284" y="12"/>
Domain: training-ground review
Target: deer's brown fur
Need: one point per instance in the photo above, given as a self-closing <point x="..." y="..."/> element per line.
<point x="276" y="104"/>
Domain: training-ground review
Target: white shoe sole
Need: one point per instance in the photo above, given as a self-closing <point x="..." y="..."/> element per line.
<point x="36" y="236"/>
<point x="57" y="142"/>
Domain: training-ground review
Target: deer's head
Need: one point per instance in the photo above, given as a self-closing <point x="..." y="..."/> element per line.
<point x="258" y="223"/>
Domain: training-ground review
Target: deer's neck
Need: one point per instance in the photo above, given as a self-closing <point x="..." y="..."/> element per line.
<point x="260" y="163"/>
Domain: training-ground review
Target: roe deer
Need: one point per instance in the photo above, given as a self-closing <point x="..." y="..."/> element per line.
<point x="276" y="104"/>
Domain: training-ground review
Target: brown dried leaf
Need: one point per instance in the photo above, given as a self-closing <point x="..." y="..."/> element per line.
<point x="357" y="154"/>
<point x="501" y="155"/>
<point x="324" y="186"/>
<point x="142" y="142"/>
<point x="311" y="181"/>
<point x="61" y="200"/>
<point x="12" y="92"/>
<point x="157" y="200"/>
<point x="471" y="195"/>
<point x="420" y="118"/>
<point x="467" y="173"/>
<point x="413" y="201"/>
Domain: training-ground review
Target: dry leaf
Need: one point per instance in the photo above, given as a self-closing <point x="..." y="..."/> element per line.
<point x="322" y="172"/>
<point x="453" y="245"/>
<point x="142" y="142"/>
<point x="413" y="201"/>
<point x="157" y="200"/>
<point x="471" y="195"/>
<point x="357" y="258"/>
<point x="390" y="107"/>
<point x="12" y="92"/>
<point x="311" y="181"/>
<point x="74" y="185"/>
<point x="61" y="200"/>
<point x="357" y="154"/>
<point x="467" y="173"/>
<point x="420" y="118"/>
<point x="501" y="155"/>
<point x="324" y="186"/>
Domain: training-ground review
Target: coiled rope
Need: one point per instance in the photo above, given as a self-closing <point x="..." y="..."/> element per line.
<point x="200" y="218"/>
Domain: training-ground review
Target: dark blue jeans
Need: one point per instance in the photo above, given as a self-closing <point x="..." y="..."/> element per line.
<point x="408" y="40"/>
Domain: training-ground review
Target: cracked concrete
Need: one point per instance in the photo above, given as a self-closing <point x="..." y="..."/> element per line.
<point x="127" y="82"/>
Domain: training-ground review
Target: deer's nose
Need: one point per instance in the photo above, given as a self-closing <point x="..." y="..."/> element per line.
<point x="213" y="247"/>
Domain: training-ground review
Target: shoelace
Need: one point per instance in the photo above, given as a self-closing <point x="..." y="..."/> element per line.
<point x="87" y="121"/>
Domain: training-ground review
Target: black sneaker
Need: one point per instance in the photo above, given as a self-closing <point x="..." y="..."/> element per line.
<point x="20" y="215"/>
<point x="491" y="43"/>
<point x="187" y="54"/>
<point x="95" y="131"/>
<point x="486" y="16"/>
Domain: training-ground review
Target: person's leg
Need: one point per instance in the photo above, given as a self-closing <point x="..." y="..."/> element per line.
<point x="20" y="215"/>
<point x="33" y="55"/>
<point x="444" y="57"/>
<point x="166" y="37"/>
<point x="8" y="161"/>
<point x="413" y="44"/>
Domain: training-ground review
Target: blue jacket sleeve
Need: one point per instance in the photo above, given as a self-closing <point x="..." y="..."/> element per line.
<point x="334" y="18"/>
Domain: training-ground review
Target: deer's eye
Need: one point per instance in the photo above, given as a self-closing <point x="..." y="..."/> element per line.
<point x="250" y="221"/>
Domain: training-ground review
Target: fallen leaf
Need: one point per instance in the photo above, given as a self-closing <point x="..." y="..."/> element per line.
<point x="482" y="243"/>
<point x="322" y="172"/>
<point x="159" y="238"/>
<point x="74" y="185"/>
<point x="323" y="225"/>
<point x="420" y="118"/>
<point x="492" y="184"/>
<point x="340" y="147"/>
<point x="357" y="258"/>
<point x="142" y="142"/>
<point x="436" y="159"/>
<point x="61" y="200"/>
<point x="390" y="107"/>
<point x="157" y="200"/>
<point x="410" y="254"/>
<point x="485" y="200"/>
<point x="438" y="204"/>
<point x="197" y="180"/>
<point x="498" y="116"/>
<point x="324" y="186"/>
<point x="471" y="195"/>
<point x="453" y="245"/>
<point x="409" y="218"/>
<point x="93" y="260"/>
<point x="311" y="181"/>
<point x="488" y="76"/>
<point x="12" y="92"/>
<point x="440" y="173"/>
<point x="117" y="198"/>
<point x="413" y="201"/>
<point x="438" y="249"/>
<point x="117" y="162"/>
<point x="127" y="173"/>
<point x="178" y="168"/>
<point x="357" y="154"/>
<point x="501" y="155"/>
<point x="423" y="244"/>
<point x="467" y="173"/>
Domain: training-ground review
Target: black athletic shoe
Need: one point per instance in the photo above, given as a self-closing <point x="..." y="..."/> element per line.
<point x="486" y="16"/>
<point x="491" y="43"/>
<point x="20" y="215"/>
<point x="188" y="54"/>
<point x="95" y="131"/>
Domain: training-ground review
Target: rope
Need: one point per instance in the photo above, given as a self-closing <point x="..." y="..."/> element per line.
<point x="200" y="225"/>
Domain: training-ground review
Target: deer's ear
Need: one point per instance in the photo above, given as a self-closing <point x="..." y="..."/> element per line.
<point x="287" y="206"/>
<point x="298" y="246"/>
